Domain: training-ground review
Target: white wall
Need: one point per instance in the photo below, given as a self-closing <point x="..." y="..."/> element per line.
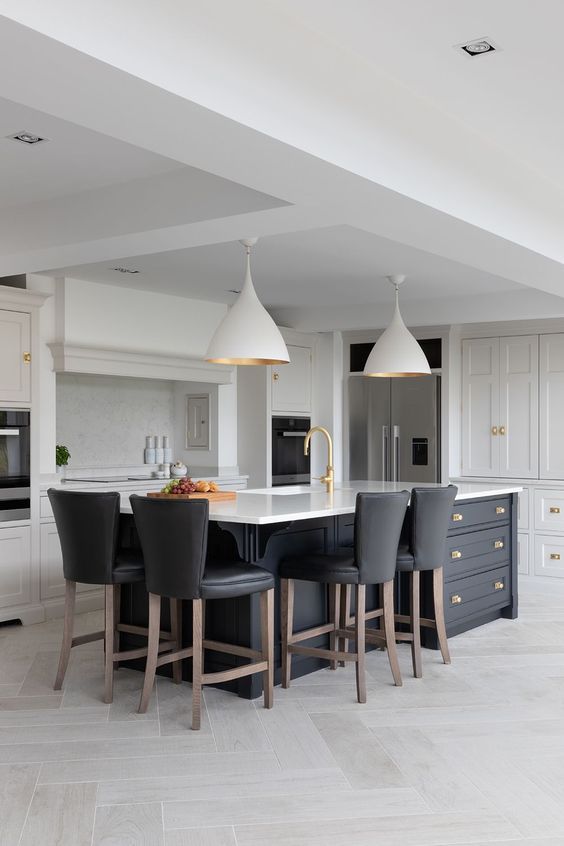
<point x="43" y="359"/>
<point x="123" y="318"/>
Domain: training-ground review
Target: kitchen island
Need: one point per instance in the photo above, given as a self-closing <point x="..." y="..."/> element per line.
<point x="264" y="525"/>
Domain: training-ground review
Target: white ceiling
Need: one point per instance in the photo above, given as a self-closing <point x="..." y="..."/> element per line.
<point x="351" y="137"/>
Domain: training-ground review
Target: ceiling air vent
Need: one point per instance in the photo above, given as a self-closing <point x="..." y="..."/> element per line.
<point x="26" y="137"/>
<point x="478" y="47"/>
<point x="124" y="270"/>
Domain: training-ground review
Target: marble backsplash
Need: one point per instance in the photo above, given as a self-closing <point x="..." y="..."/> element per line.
<point x="103" y="420"/>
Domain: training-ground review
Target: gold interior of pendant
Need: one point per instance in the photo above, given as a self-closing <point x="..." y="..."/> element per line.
<point x="247" y="361"/>
<point x="396" y="375"/>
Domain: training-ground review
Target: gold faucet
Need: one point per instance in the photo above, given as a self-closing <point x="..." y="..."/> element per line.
<point x="328" y="479"/>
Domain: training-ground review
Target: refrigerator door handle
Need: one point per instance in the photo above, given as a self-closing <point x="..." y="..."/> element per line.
<point x="385" y="453"/>
<point x="395" y="452"/>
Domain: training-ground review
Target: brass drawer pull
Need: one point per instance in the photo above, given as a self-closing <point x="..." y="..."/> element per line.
<point x="499" y="585"/>
<point x="456" y="553"/>
<point x="27" y="358"/>
<point x="555" y="556"/>
<point x="456" y="599"/>
<point x="494" y="430"/>
<point x="457" y="517"/>
<point x="554" y="509"/>
<point x="276" y="376"/>
<point x="498" y="544"/>
<point x="500" y="509"/>
<point x="502" y="430"/>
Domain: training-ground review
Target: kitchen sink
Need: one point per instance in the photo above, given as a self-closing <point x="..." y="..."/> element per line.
<point x="291" y="490"/>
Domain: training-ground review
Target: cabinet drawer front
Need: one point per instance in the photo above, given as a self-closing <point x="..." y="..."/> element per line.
<point x="549" y="510"/>
<point x="477" y="594"/>
<point x="549" y="556"/>
<point x="523" y="509"/>
<point x="468" y="553"/>
<point x="465" y="514"/>
<point x="523" y="552"/>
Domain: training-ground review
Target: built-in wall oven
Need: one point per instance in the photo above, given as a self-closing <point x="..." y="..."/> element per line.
<point x="289" y="464"/>
<point x="14" y="465"/>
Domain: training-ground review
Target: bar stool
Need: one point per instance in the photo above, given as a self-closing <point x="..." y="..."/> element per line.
<point x="174" y="537"/>
<point x="422" y="548"/>
<point x="378" y="522"/>
<point x="89" y="526"/>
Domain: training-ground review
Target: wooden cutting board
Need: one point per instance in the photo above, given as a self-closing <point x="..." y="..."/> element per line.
<point x="215" y="496"/>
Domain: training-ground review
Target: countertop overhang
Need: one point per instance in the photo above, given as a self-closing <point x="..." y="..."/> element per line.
<point x="269" y="505"/>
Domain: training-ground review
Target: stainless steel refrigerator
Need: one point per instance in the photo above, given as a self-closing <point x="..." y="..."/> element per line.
<point x="394" y="429"/>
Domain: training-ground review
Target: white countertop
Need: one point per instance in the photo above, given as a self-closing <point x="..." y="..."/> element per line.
<point x="278" y="505"/>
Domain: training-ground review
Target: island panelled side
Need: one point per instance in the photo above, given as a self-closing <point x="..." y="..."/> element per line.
<point x="480" y="570"/>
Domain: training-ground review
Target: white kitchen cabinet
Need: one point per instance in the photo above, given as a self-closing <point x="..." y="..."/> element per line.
<point x="15" y="380"/>
<point x="291" y="383"/>
<point x="500" y="407"/>
<point x="15" y="566"/>
<point x="51" y="560"/>
<point x="552" y="406"/>
<point x="523" y="553"/>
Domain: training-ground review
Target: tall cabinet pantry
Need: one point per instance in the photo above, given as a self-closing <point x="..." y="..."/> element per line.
<point x="513" y="427"/>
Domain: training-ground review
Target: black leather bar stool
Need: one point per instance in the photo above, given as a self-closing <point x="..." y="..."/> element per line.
<point x="174" y="537"/>
<point x="372" y="561"/>
<point x="89" y="527"/>
<point x="422" y="547"/>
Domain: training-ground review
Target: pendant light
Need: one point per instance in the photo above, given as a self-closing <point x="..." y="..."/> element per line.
<point x="247" y="334"/>
<point x="396" y="352"/>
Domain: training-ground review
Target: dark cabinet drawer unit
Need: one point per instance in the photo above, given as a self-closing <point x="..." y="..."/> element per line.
<point x="475" y="551"/>
<point x="467" y="515"/>
<point x="478" y="593"/>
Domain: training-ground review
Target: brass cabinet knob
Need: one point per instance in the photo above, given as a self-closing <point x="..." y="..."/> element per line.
<point x="499" y="585"/>
<point x="455" y="599"/>
<point x="494" y="430"/>
<point x="276" y="376"/>
<point x="555" y="556"/>
<point x="27" y="358"/>
<point x="498" y="544"/>
<point x="457" y="518"/>
<point x="500" y="509"/>
<point x="456" y="553"/>
<point x="554" y="509"/>
<point x="502" y="430"/>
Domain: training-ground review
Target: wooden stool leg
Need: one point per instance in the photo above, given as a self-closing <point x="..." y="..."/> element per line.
<point x="388" y="622"/>
<point x="117" y="608"/>
<point x="109" y="622"/>
<point x="152" y="651"/>
<point x="438" y="599"/>
<point x="267" y="644"/>
<point x="66" y="645"/>
<point x="287" y="615"/>
<point x="360" y="637"/>
<point x="334" y="611"/>
<point x="344" y="619"/>
<point x="196" y="663"/>
<point x="176" y="631"/>
<point x="415" y="618"/>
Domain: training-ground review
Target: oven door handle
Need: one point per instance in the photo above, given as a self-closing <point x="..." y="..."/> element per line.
<point x="292" y="434"/>
<point x="9" y="432"/>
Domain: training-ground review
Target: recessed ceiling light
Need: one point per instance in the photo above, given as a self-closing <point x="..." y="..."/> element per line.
<point x="478" y="47"/>
<point x="124" y="270"/>
<point x="27" y="137"/>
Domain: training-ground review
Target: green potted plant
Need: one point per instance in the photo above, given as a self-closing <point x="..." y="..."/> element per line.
<point x="62" y="456"/>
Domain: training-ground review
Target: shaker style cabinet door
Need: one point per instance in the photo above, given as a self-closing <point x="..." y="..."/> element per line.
<point x="480" y="407"/>
<point x="552" y="406"/>
<point x="15" y="566"/>
<point x="518" y="406"/>
<point x="15" y="381"/>
<point x="291" y="383"/>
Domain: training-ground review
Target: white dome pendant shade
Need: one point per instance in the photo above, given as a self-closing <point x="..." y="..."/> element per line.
<point x="247" y="334"/>
<point x="396" y="352"/>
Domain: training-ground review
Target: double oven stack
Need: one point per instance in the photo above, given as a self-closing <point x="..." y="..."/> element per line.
<point x="14" y="465"/>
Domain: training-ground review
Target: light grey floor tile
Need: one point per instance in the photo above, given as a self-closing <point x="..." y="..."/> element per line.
<point x="294" y="738"/>
<point x="17" y="783"/>
<point x="41" y="676"/>
<point x="129" y="825"/>
<point x="8" y="690"/>
<point x="173" y="765"/>
<point x="310" y="807"/>
<point x="60" y="815"/>
<point x="54" y="716"/>
<point x="174" y="702"/>
<point x="76" y="750"/>
<point x="127" y="692"/>
<point x="259" y="784"/>
<point x="235" y="722"/>
<point x="30" y="703"/>
<point x="201" y="837"/>
<point x="425" y="769"/>
<point x="363" y="760"/>
<point x="77" y="731"/>
<point x="421" y="830"/>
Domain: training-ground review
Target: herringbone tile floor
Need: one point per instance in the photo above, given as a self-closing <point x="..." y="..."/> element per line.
<point x="470" y="754"/>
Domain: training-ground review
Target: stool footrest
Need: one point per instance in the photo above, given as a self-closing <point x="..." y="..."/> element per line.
<point x="232" y="649"/>
<point x="307" y="633"/>
<point x="170" y="657"/>
<point x="235" y="673"/>
<point x="87" y="638"/>
<point x="319" y="652"/>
